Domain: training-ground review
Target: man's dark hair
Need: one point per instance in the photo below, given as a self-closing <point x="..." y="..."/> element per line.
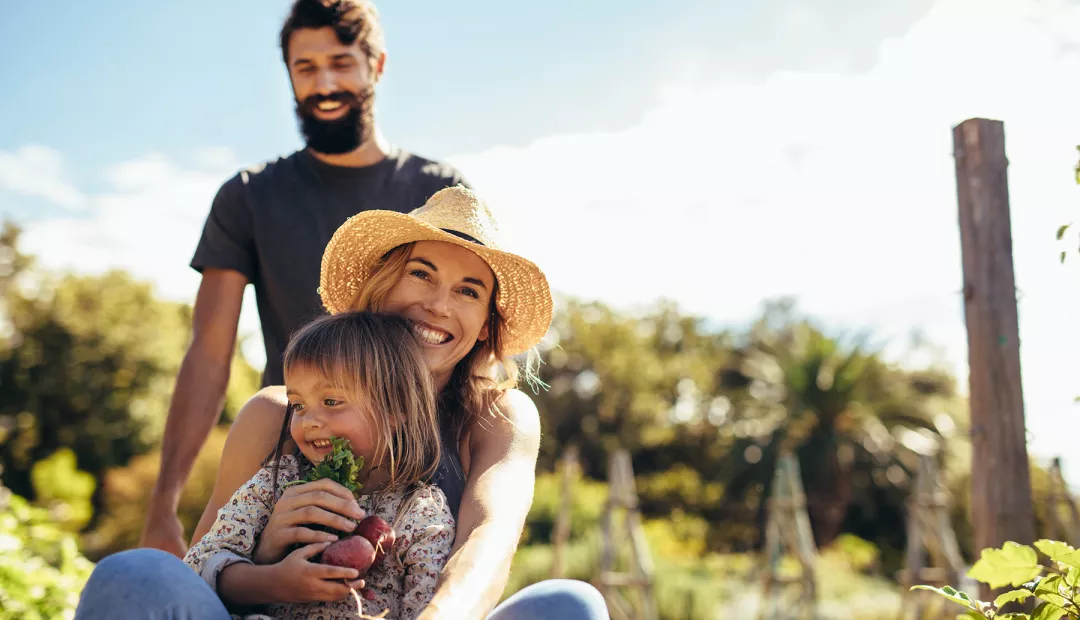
<point x="352" y="21"/>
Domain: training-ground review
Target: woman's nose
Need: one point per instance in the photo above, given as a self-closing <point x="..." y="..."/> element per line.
<point x="438" y="304"/>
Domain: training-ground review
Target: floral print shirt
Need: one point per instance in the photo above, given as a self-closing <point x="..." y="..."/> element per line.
<point x="402" y="584"/>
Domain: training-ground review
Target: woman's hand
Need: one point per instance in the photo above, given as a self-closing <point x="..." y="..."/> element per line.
<point x="322" y="502"/>
<point x="298" y="580"/>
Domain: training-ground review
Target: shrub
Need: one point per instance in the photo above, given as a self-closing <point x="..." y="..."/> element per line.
<point x="41" y="569"/>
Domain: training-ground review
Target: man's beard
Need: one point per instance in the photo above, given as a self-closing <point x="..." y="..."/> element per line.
<point x="341" y="135"/>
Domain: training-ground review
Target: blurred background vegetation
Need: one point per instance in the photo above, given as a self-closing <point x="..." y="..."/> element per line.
<point x="87" y="364"/>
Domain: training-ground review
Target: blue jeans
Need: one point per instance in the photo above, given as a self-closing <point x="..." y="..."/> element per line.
<point x="154" y="585"/>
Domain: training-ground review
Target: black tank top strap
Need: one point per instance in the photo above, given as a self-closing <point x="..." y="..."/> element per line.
<point x="450" y="476"/>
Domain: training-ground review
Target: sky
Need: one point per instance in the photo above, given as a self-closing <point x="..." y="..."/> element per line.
<point x="715" y="153"/>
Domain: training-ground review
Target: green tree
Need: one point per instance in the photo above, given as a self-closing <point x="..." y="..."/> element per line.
<point x="616" y="382"/>
<point x="705" y="411"/>
<point x="87" y="363"/>
<point x="855" y="422"/>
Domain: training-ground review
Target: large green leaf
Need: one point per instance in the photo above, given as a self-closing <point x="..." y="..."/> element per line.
<point x="1014" y="596"/>
<point x="1059" y="552"/>
<point x="1049" y="590"/>
<point x="1047" y="611"/>
<point x="1012" y="565"/>
<point x="954" y="595"/>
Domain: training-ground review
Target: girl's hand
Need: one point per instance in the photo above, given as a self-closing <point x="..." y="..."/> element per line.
<point x="322" y="502"/>
<point x="298" y="580"/>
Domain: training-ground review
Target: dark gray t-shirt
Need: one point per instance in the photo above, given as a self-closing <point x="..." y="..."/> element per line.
<point x="271" y="223"/>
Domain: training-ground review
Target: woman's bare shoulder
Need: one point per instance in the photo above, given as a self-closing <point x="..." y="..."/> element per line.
<point x="518" y="408"/>
<point x="271" y="394"/>
<point x="513" y="418"/>
<point x="258" y="423"/>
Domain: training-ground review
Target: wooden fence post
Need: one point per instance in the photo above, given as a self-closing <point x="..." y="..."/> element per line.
<point x="1001" y="500"/>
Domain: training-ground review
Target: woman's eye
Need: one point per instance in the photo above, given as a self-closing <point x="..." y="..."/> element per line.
<point x="470" y="292"/>
<point x="419" y="273"/>
<point x="330" y="402"/>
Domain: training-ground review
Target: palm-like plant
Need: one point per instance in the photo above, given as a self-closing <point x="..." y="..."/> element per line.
<point x="854" y="421"/>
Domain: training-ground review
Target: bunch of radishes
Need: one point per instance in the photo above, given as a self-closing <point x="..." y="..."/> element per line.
<point x="368" y="544"/>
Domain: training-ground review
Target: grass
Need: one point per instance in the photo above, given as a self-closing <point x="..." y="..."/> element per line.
<point x="710" y="585"/>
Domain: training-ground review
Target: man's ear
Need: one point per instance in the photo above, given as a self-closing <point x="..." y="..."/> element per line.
<point x="378" y="67"/>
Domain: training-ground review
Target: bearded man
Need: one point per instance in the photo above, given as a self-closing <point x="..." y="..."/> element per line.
<point x="269" y="224"/>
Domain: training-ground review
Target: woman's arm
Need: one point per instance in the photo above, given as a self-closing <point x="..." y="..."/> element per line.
<point x="231" y="539"/>
<point x="251" y="438"/>
<point x="496" y="501"/>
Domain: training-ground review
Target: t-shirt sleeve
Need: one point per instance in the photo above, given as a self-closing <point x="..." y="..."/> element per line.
<point x="228" y="240"/>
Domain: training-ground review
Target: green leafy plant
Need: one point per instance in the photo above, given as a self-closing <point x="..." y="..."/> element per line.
<point x="41" y="569"/>
<point x="341" y="466"/>
<point x="1056" y="585"/>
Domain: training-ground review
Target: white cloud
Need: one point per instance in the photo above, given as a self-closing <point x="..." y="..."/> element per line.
<point x="837" y="188"/>
<point x="38" y="171"/>
<point x="148" y="222"/>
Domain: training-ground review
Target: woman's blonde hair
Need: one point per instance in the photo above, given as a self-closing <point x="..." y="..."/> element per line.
<point x="377" y="361"/>
<point x="483" y="376"/>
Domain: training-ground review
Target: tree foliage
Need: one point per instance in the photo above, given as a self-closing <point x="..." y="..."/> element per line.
<point x="706" y="412"/>
<point x="87" y="363"/>
<point x="41" y="569"/>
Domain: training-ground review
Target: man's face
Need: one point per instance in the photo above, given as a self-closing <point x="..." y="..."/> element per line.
<point x="334" y="86"/>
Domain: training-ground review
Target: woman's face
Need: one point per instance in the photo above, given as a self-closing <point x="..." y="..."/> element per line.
<point x="445" y="292"/>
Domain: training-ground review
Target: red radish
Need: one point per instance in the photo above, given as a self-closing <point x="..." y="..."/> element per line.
<point x="352" y="552"/>
<point x="371" y="540"/>
<point x="379" y="533"/>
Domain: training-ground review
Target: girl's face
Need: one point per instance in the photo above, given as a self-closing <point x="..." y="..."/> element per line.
<point x="322" y="411"/>
<point x="445" y="293"/>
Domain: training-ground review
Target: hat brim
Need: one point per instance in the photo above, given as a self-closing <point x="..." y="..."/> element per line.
<point x="524" y="297"/>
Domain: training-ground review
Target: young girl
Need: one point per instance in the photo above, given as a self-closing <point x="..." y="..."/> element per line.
<point x="360" y="376"/>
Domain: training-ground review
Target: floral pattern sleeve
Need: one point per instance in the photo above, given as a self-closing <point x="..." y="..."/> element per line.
<point x="428" y="528"/>
<point x="232" y="537"/>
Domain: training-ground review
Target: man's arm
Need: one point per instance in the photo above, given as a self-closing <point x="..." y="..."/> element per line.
<point x="196" y="402"/>
<point x="497" y="497"/>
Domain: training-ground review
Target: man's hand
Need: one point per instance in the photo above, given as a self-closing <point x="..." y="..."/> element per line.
<point x="163" y="530"/>
<point x="196" y="402"/>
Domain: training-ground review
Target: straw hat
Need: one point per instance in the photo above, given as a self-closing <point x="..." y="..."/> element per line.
<point x="453" y="215"/>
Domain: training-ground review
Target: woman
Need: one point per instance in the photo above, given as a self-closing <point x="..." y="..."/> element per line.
<point x="473" y="306"/>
